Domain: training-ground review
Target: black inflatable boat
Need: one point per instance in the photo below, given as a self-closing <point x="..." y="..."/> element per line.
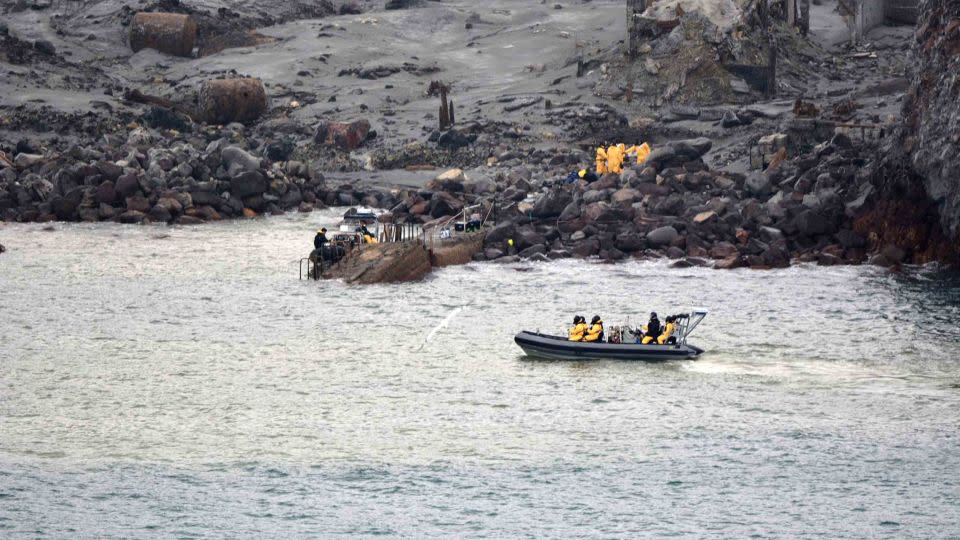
<point x="560" y="348"/>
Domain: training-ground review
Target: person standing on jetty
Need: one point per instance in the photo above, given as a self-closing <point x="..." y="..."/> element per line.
<point x="320" y="239"/>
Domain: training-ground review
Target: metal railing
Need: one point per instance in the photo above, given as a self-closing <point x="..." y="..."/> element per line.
<point x="314" y="268"/>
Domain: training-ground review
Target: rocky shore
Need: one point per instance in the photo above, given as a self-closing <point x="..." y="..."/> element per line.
<point x="734" y="180"/>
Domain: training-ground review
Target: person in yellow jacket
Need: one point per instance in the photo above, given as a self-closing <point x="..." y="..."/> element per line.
<point x="579" y="328"/>
<point x="595" y="333"/>
<point x="368" y="237"/>
<point x="642" y="152"/>
<point x="615" y="158"/>
<point x="668" y="329"/>
<point x="601" y="161"/>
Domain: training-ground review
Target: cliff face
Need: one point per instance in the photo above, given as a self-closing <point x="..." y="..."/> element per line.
<point x="931" y="130"/>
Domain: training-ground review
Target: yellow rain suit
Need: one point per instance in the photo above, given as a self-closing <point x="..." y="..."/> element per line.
<point x="647" y="339"/>
<point x="601" y="161"/>
<point x="642" y="152"/>
<point x="576" y="333"/>
<point x="667" y="330"/>
<point x="615" y="156"/>
<point x="594" y="333"/>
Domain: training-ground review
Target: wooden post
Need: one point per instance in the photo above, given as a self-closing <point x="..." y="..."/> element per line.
<point x="792" y="12"/>
<point x="444" y="111"/>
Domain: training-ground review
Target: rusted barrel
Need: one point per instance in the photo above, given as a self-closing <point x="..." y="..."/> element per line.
<point x="170" y="33"/>
<point x="222" y="101"/>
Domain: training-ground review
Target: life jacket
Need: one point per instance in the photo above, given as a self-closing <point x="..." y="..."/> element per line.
<point x="667" y="331"/>
<point x="595" y="333"/>
<point x="576" y="333"/>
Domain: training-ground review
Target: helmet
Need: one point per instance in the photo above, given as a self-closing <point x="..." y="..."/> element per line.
<point x="595" y="320"/>
<point x="323" y="229"/>
<point x="576" y="319"/>
<point x="582" y="173"/>
<point x="653" y="315"/>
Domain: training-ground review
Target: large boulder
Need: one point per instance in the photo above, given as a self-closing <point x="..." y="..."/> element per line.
<point x="248" y="183"/>
<point x="630" y="242"/>
<point x="625" y="196"/>
<point x="444" y="204"/>
<point x="127" y="185"/>
<point x="691" y="149"/>
<point x="551" y="204"/>
<point x="810" y="223"/>
<point x="343" y="135"/>
<point x="662" y="236"/>
<point x="106" y="193"/>
<point x="601" y="212"/>
<point x="236" y="161"/>
<point x="454" y="139"/>
<point x="500" y="233"/>
<point x="138" y="203"/>
<point x="451" y="180"/>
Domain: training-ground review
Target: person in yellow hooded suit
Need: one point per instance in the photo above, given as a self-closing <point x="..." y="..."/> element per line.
<point x="642" y="152"/>
<point x="595" y="333"/>
<point x="668" y="329"/>
<point x="615" y="156"/>
<point x="601" y="161"/>
<point x="579" y="328"/>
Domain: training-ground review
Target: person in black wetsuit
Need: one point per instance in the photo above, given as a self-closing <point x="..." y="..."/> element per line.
<point x="652" y="331"/>
<point x="320" y="239"/>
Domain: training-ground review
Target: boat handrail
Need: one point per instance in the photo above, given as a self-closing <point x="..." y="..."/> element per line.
<point x="693" y="319"/>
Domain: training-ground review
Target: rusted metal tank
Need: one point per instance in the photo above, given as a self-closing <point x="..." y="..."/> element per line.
<point x="222" y="101"/>
<point x="170" y="33"/>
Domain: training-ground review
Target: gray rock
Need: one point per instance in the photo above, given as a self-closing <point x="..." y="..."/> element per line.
<point x="237" y="161"/>
<point x="537" y="249"/>
<point x="25" y="161"/>
<point x="758" y="184"/>
<point x="492" y="253"/>
<point x="127" y="185"/>
<point x="810" y="223"/>
<point x="106" y="193"/>
<point x="849" y="239"/>
<point x="247" y="183"/>
<point x="770" y="234"/>
<point x="571" y="212"/>
<point x="132" y="216"/>
<point x="692" y="148"/>
<point x="662" y="236"/>
<point x="551" y="204"/>
<point x="500" y="233"/>
<point x="729" y="120"/>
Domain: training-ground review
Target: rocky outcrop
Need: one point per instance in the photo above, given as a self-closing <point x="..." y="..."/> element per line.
<point x="913" y="215"/>
<point x="383" y="263"/>
<point x="931" y="111"/>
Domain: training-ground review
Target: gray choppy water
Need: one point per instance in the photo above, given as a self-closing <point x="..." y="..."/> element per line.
<point x="181" y="382"/>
